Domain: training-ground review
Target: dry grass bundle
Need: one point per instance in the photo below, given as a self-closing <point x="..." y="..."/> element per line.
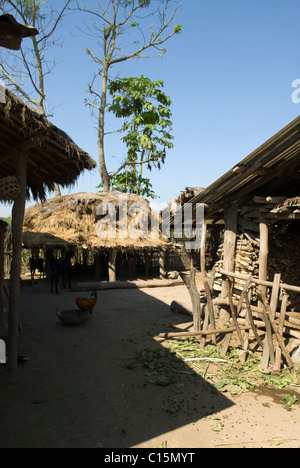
<point x="74" y="219"/>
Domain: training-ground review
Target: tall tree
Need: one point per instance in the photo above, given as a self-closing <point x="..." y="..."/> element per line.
<point x="26" y="70"/>
<point x="147" y="126"/>
<point x="111" y="21"/>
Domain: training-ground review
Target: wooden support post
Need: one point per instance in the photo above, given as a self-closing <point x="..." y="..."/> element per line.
<point x="268" y="350"/>
<point x="3" y="227"/>
<point x="97" y="265"/>
<point x="112" y="274"/>
<point x="17" y="240"/>
<point x="203" y="250"/>
<point x="162" y="271"/>
<point x="230" y="235"/>
<point x="263" y="254"/>
<point x="147" y="263"/>
<point x="190" y="283"/>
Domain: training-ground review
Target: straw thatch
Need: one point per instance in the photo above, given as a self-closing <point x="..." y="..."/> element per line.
<point x="73" y="219"/>
<point x="52" y="156"/>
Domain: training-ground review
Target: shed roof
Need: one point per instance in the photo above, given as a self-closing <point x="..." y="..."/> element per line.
<point x="273" y="169"/>
<point x="53" y="156"/>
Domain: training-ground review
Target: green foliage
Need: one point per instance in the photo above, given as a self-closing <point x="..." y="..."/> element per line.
<point x="128" y="182"/>
<point x="178" y="28"/>
<point x="32" y="9"/>
<point x="145" y="109"/>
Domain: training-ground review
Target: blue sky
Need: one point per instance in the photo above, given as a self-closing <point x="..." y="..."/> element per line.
<point x="229" y="75"/>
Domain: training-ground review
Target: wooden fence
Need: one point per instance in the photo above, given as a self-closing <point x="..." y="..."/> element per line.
<point x="261" y="326"/>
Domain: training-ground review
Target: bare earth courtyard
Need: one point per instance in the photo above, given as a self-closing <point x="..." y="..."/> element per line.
<point x="83" y="386"/>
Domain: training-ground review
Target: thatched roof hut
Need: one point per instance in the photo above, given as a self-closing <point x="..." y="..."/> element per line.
<point x="74" y="220"/>
<point x="34" y="156"/>
<point x="53" y="157"/>
<point x="109" y="223"/>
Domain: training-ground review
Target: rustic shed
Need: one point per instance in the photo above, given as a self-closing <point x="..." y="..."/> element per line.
<point x="34" y="155"/>
<point x="259" y="194"/>
<point x="255" y="209"/>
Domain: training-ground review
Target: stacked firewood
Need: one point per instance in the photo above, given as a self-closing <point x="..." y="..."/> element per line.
<point x="246" y="263"/>
<point x="284" y="258"/>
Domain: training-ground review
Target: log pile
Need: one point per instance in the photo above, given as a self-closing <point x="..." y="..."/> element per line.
<point x="246" y="262"/>
<point x="283" y="258"/>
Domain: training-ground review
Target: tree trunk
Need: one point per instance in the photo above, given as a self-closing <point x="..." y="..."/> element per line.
<point x="103" y="169"/>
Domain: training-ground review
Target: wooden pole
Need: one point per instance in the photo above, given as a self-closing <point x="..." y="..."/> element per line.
<point x="273" y="306"/>
<point x="284" y="304"/>
<point x="278" y="335"/>
<point x="162" y="271"/>
<point x="147" y="263"/>
<point x="210" y="310"/>
<point x="263" y="254"/>
<point x="3" y="227"/>
<point x="219" y="331"/>
<point x="17" y="240"/>
<point x="190" y="283"/>
<point x="268" y="284"/>
<point x="203" y="250"/>
<point x="230" y="234"/>
<point x="268" y="350"/>
<point x="112" y="273"/>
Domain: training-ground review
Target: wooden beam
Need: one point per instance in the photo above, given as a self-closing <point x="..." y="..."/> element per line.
<point x="269" y="284"/>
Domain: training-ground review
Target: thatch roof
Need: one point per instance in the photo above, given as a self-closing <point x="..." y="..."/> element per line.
<point x="12" y="32"/>
<point x="73" y="219"/>
<point x="53" y="156"/>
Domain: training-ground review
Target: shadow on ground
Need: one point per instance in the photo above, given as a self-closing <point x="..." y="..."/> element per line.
<point x="106" y="383"/>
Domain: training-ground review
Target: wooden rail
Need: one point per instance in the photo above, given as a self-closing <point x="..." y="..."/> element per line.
<point x="287" y="287"/>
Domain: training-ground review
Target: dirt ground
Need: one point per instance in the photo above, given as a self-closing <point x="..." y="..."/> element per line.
<point x="82" y="386"/>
